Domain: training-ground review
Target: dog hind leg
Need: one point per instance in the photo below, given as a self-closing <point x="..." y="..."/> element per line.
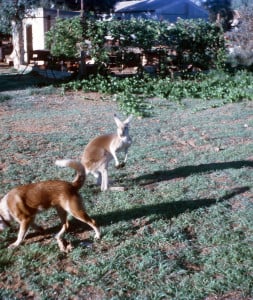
<point x="63" y="245"/>
<point x="64" y="221"/>
<point x="77" y="211"/>
<point x="85" y="218"/>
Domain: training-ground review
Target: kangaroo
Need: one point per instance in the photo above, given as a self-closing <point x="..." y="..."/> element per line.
<point x="102" y="149"/>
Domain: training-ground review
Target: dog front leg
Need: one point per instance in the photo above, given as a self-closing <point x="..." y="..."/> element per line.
<point x="24" y="225"/>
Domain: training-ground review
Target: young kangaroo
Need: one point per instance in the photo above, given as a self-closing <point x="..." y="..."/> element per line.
<point x="102" y="149"/>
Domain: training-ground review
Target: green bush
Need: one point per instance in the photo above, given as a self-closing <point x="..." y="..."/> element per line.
<point x="194" y="43"/>
<point x="65" y="36"/>
<point x="197" y="43"/>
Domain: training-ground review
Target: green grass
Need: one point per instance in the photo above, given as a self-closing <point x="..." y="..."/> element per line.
<point x="183" y="229"/>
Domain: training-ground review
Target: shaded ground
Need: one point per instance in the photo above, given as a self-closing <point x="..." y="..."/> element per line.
<point x="10" y="79"/>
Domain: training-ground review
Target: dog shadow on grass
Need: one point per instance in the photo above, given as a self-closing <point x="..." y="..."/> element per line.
<point x="159" y="210"/>
<point x="166" y="210"/>
<point x="185" y="171"/>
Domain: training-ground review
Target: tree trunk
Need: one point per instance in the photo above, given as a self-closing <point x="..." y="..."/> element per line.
<point x="18" y="44"/>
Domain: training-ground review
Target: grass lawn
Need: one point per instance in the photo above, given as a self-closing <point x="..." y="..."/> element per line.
<point x="183" y="229"/>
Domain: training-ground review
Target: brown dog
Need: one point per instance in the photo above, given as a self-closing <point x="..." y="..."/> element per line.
<point x="23" y="202"/>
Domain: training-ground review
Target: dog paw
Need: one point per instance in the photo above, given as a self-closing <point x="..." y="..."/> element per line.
<point x="12" y="246"/>
<point x="98" y="236"/>
<point x="64" y="245"/>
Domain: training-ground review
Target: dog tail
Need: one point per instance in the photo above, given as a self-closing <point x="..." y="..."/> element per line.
<point x="80" y="176"/>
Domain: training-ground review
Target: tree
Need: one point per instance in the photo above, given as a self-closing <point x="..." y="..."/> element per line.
<point x="220" y="12"/>
<point x="242" y="4"/>
<point x="240" y="41"/>
<point x="100" y="6"/>
<point x="12" y="13"/>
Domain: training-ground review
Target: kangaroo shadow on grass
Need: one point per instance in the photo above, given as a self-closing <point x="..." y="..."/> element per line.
<point x="185" y="171"/>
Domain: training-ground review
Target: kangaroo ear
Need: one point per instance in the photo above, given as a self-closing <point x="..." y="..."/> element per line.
<point x="127" y="121"/>
<point x="117" y="121"/>
<point x="120" y="123"/>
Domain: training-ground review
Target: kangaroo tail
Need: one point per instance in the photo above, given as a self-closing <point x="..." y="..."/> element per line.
<point x="80" y="176"/>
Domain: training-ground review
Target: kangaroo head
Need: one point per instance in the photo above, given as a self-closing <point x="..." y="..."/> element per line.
<point x="123" y="128"/>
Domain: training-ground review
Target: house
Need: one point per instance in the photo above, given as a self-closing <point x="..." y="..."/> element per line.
<point x="31" y="41"/>
<point x="169" y="10"/>
<point x="36" y="26"/>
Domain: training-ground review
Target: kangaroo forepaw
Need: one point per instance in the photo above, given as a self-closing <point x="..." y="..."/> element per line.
<point x="121" y="165"/>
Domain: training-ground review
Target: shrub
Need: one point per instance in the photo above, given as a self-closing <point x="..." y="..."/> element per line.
<point x="197" y="44"/>
<point x="63" y="38"/>
<point x="194" y="43"/>
<point x="133" y="94"/>
<point x="4" y="97"/>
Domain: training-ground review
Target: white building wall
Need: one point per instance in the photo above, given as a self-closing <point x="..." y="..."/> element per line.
<point x="40" y="22"/>
<point x="37" y="23"/>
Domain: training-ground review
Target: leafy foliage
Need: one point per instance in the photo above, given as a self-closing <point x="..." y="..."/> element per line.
<point x="11" y="10"/>
<point x="133" y="93"/>
<point x="196" y="43"/>
<point x="4" y="98"/>
<point x="18" y="9"/>
<point x="64" y="38"/>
